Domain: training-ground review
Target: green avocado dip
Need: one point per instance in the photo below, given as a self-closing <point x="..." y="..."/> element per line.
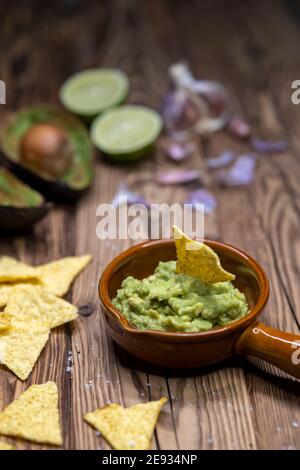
<point x="169" y="301"/>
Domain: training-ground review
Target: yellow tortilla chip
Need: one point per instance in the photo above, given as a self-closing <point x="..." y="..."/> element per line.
<point x="5" y="321"/>
<point x="21" y="345"/>
<point x="34" y="303"/>
<point x="32" y="312"/>
<point x="34" y="415"/>
<point x="6" y="446"/>
<point x="57" y="276"/>
<point x="127" y="428"/>
<point x="12" y="270"/>
<point x="7" y="288"/>
<point x="5" y="291"/>
<point x="198" y="260"/>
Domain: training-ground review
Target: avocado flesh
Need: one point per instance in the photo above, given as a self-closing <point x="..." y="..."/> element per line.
<point x="80" y="173"/>
<point x="14" y="193"/>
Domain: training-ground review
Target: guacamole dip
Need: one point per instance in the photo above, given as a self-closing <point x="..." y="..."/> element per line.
<point x="169" y="301"/>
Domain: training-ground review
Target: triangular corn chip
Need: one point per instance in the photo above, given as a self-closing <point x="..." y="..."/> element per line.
<point x="6" y="446"/>
<point x="34" y="415"/>
<point x="127" y="428"/>
<point x="12" y="270"/>
<point x="198" y="260"/>
<point x="5" y="321"/>
<point x="5" y="291"/>
<point x="34" y="303"/>
<point x="57" y="276"/>
<point x="7" y="288"/>
<point x="32" y="313"/>
<point x="21" y="345"/>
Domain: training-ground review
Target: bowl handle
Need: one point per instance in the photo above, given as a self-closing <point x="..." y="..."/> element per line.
<point x="277" y="347"/>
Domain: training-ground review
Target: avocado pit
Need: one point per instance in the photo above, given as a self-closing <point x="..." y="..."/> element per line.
<point x="46" y="148"/>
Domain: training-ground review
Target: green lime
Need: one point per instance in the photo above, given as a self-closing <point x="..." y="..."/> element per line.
<point x="127" y="132"/>
<point x="92" y="91"/>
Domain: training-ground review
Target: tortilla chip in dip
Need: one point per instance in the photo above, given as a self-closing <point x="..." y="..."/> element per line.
<point x="34" y="416"/>
<point x="198" y="260"/>
<point x="127" y="428"/>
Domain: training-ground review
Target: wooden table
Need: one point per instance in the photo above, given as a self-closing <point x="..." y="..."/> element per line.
<point x="253" y="48"/>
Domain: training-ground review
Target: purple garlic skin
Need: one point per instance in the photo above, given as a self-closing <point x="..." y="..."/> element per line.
<point x="180" y="113"/>
<point x="125" y="195"/>
<point x="241" y="173"/>
<point x="178" y="177"/>
<point x="178" y="151"/>
<point x="267" y="146"/>
<point x="224" y="159"/>
<point x="239" y="128"/>
<point x="204" y="197"/>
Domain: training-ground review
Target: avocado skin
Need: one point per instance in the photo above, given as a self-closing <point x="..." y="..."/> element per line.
<point x="54" y="190"/>
<point x="20" y="205"/>
<point x="21" y="218"/>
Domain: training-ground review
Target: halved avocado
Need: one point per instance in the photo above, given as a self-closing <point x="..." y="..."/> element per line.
<point x="78" y="176"/>
<point x="20" y="206"/>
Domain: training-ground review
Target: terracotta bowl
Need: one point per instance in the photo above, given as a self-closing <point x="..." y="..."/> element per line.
<point x="187" y="350"/>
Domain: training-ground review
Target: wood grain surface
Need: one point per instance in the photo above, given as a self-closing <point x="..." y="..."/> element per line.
<point x="253" y="48"/>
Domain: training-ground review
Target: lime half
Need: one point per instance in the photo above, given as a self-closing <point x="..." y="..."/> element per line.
<point x="91" y="91"/>
<point x="126" y="132"/>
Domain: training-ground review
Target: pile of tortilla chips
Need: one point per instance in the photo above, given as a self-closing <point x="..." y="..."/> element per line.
<point x="127" y="428"/>
<point x="32" y="307"/>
